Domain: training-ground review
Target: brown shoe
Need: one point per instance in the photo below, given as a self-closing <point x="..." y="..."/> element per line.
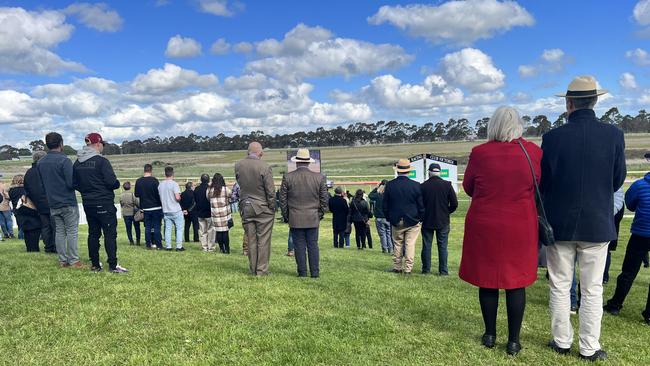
<point x="77" y="265"/>
<point x="63" y="265"/>
<point x="290" y="253"/>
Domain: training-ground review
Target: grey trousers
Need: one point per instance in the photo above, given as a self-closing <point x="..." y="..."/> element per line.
<point x="258" y="230"/>
<point x="66" y="223"/>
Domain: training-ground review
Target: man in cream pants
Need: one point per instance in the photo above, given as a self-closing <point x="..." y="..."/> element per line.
<point x="582" y="166"/>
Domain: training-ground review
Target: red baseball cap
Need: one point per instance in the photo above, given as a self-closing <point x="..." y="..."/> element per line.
<point x="94" y="138"/>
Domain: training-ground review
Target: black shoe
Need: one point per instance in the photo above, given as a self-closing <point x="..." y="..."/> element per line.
<point x="513" y="348"/>
<point x="96" y="269"/>
<point x="426" y="273"/>
<point x="488" y="340"/>
<point x="597" y="356"/>
<point x="407" y="273"/>
<point x="557" y="349"/>
<point x="181" y="249"/>
<point x="131" y="243"/>
<point x="646" y="265"/>
<point x="383" y="250"/>
<point x="168" y="249"/>
<point x="315" y="276"/>
<point x="605" y="281"/>
<point x="612" y="309"/>
<point x="392" y="270"/>
<point x="646" y="317"/>
<point x="443" y="274"/>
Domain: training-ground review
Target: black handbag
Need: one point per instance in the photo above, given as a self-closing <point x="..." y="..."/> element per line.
<point x="546" y="236"/>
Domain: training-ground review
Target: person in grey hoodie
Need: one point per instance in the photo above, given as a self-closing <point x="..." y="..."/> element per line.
<point x="56" y="169"/>
<point x="95" y="179"/>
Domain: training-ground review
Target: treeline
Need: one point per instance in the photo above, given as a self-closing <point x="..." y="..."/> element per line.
<point x="356" y="134"/>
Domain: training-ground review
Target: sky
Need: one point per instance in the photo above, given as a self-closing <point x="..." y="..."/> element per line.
<point x="136" y="69"/>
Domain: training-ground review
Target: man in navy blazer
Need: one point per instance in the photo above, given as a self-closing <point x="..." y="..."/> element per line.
<point x="404" y="209"/>
<point x="582" y="166"/>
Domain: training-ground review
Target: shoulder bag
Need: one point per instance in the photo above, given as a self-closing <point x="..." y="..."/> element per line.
<point x="546" y="236"/>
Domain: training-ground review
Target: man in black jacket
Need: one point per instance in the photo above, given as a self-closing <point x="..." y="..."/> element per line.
<point x="582" y="166"/>
<point x="35" y="191"/>
<point x="439" y="202"/>
<point x="339" y="208"/>
<point x="188" y="206"/>
<point x="95" y="179"/>
<point x="404" y="208"/>
<point x="203" y="214"/>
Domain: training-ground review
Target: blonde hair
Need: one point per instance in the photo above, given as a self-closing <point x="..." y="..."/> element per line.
<point x="17" y="180"/>
<point x="505" y="125"/>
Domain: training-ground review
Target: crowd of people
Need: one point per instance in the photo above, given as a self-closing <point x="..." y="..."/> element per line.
<point x="578" y="172"/>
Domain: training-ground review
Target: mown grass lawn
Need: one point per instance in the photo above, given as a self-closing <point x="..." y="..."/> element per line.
<point x="203" y="309"/>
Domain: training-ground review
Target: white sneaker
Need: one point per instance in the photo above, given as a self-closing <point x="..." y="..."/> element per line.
<point x="118" y="269"/>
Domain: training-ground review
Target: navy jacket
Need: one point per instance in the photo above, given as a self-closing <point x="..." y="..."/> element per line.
<point x="583" y="164"/>
<point x="56" y="172"/>
<point x="637" y="199"/>
<point x="403" y="200"/>
<point x="440" y="201"/>
<point x="202" y="208"/>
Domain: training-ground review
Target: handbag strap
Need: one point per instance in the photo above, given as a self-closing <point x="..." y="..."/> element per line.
<point x="532" y="171"/>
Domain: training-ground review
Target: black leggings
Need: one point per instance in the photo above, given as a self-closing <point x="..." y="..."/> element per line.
<point x="223" y="240"/>
<point x="360" y="233"/>
<point x="515" y="304"/>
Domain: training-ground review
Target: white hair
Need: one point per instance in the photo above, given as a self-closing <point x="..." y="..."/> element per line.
<point x="505" y="125"/>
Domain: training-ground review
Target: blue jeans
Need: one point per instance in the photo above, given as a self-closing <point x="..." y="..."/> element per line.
<point x="290" y="246"/>
<point x="152" y="225"/>
<point x="6" y="223"/>
<point x="442" y="237"/>
<point x="175" y="218"/>
<point x="575" y="301"/>
<point x="384" y="231"/>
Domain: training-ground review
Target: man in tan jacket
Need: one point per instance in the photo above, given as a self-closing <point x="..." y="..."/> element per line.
<point x="256" y="206"/>
<point x="303" y="200"/>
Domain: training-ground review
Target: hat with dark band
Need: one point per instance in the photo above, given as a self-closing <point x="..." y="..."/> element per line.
<point x="302" y="156"/>
<point x="583" y="87"/>
<point x="403" y="166"/>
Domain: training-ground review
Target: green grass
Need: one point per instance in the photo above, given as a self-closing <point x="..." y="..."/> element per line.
<point x="194" y="308"/>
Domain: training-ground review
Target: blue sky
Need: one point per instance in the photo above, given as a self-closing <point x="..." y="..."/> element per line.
<point x="133" y="69"/>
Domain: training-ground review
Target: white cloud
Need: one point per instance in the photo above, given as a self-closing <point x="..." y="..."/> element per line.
<point x="308" y="52"/>
<point x="627" y="81"/>
<point x="472" y="69"/>
<point x="170" y="78"/>
<point x="181" y="47"/>
<point x="26" y="41"/>
<point x="638" y="56"/>
<point x="644" y="99"/>
<point x="389" y="92"/>
<point x="456" y="22"/>
<point x="98" y="16"/>
<point x="642" y="12"/>
<point x="551" y="61"/>
<point x="243" y="47"/>
<point x="220" y="47"/>
<point x="216" y="7"/>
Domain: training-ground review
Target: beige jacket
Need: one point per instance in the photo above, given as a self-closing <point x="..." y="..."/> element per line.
<point x="129" y="203"/>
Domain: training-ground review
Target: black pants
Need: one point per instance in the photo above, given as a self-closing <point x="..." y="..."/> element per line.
<point x="515" y="305"/>
<point x="223" y="239"/>
<point x="102" y="219"/>
<point x="637" y="248"/>
<point x="47" y="232"/>
<point x="613" y="244"/>
<point x="193" y="220"/>
<point x="368" y="235"/>
<point x="131" y="224"/>
<point x="339" y="238"/>
<point x="360" y="233"/>
<point x="31" y="238"/>
<point x="305" y="242"/>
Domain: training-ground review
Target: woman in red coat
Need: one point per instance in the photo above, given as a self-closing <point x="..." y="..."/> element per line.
<point x="500" y="243"/>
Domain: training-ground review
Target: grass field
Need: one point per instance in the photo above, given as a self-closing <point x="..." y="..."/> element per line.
<point x="203" y="309"/>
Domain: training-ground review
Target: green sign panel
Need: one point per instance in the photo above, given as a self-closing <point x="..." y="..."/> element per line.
<point x="412" y="174"/>
<point x="444" y="173"/>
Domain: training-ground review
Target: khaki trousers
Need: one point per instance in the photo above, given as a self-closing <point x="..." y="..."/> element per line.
<point x="404" y="237"/>
<point x="258" y="230"/>
<point x="561" y="259"/>
<point x="207" y="243"/>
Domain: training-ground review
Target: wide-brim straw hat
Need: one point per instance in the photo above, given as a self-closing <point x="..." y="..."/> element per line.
<point x="303" y="156"/>
<point x="403" y="166"/>
<point x="583" y="87"/>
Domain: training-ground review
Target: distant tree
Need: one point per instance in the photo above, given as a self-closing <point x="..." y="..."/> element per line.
<point x="561" y="120"/>
<point x="37" y="145"/>
<point x="69" y="150"/>
<point x="612" y="116"/>
<point x="112" y="149"/>
<point x="24" y="152"/>
<point x="8" y="152"/>
<point x="481" y="127"/>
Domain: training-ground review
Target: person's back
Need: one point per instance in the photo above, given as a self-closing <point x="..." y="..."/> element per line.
<point x="255" y="182"/>
<point x="306" y="201"/>
<point x="56" y="172"/>
<point x="128" y="203"/>
<point x="359" y="210"/>
<point x="582" y="166"/>
<point x="202" y="204"/>
<point x="94" y="178"/>
<point x="168" y="189"/>
<point x="403" y="201"/>
<point x="146" y="189"/>
<point x="637" y="199"/>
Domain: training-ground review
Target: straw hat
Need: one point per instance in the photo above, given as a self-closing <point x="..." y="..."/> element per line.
<point x="403" y="166"/>
<point x="303" y="157"/>
<point x="583" y="87"/>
